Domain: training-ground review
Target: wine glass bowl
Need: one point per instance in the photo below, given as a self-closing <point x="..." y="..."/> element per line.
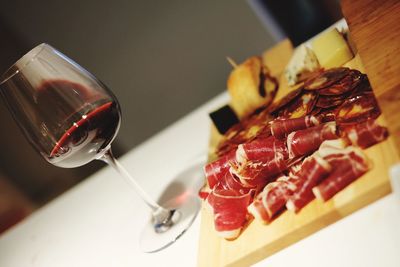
<point x="71" y="118"/>
<point x="68" y="115"/>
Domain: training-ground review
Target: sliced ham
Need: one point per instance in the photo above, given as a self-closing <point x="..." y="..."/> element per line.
<point x="261" y="149"/>
<point x="230" y="211"/>
<point x="280" y="128"/>
<point x="257" y="173"/>
<point x="313" y="170"/>
<point x="216" y="170"/>
<point x="231" y="182"/>
<point x="306" y="141"/>
<point x="366" y="134"/>
<point x="273" y="198"/>
<point x="347" y="167"/>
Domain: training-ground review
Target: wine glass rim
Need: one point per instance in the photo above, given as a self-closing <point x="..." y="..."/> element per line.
<point x="30" y="56"/>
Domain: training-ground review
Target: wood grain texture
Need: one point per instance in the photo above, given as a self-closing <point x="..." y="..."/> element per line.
<point x="375" y="30"/>
<point x="259" y="241"/>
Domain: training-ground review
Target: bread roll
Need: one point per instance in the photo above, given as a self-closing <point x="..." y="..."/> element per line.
<point x="250" y="86"/>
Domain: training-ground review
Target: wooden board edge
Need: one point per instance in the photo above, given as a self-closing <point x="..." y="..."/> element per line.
<point x="306" y="230"/>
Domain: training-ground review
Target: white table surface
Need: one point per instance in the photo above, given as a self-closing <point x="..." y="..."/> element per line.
<point x="98" y="222"/>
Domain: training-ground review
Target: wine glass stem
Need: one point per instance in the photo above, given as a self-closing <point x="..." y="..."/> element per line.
<point x="160" y="214"/>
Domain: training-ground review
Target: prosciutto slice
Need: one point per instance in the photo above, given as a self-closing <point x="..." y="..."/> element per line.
<point x="313" y="170"/>
<point x="306" y="141"/>
<point x="347" y="167"/>
<point x="366" y="134"/>
<point x="230" y="211"/>
<point x="261" y="149"/>
<point x="216" y="170"/>
<point x="231" y="182"/>
<point x="258" y="173"/>
<point x="273" y="198"/>
<point x="280" y="128"/>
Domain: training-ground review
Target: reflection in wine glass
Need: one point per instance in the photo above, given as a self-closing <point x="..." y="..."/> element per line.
<point x="71" y="118"/>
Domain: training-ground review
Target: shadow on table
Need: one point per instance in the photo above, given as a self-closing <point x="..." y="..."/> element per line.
<point x="186" y="183"/>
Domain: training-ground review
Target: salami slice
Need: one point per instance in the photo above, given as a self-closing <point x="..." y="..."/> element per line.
<point x="232" y="139"/>
<point x="280" y="128"/>
<point x="362" y="87"/>
<point x="358" y="109"/>
<point x="301" y="106"/>
<point x="326" y="78"/>
<point x="365" y="134"/>
<point x="330" y="101"/>
<point x="345" y="85"/>
<point x="274" y="108"/>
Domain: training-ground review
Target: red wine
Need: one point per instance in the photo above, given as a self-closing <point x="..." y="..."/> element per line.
<point x="84" y="122"/>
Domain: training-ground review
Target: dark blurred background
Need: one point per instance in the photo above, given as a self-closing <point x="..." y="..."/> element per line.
<point x="162" y="59"/>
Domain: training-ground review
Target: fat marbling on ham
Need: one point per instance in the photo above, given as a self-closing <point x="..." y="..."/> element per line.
<point x="366" y="134"/>
<point x="313" y="170"/>
<point x="273" y="198"/>
<point x="306" y="141"/>
<point x="216" y="170"/>
<point x="348" y="164"/>
<point x="230" y="211"/>
<point x="277" y="142"/>
<point x="280" y="128"/>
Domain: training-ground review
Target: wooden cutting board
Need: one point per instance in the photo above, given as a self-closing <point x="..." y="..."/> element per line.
<point x="258" y="240"/>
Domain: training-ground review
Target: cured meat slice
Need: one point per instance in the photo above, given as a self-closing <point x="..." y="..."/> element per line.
<point x="251" y="127"/>
<point x="313" y="170"/>
<point x="346" y="168"/>
<point x="294" y="165"/>
<point x="273" y="198"/>
<point x="306" y="141"/>
<point x="216" y="170"/>
<point x="330" y="101"/>
<point x="302" y="106"/>
<point x="362" y="87"/>
<point x="261" y="149"/>
<point x="232" y="139"/>
<point x="345" y="85"/>
<point x="280" y="128"/>
<point x="204" y="192"/>
<point x="326" y="115"/>
<point x="230" y="211"/>
<point x="366" y="134"/>
<point x="274" y="108"/>
<point x="358" y="109"/>
<point x="230" y="182"/>
<point x="326" y="78"/>
<point x="332" y="147"/>
<point x="258" y="173"/>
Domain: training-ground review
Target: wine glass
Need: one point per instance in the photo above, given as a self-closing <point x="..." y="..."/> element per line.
<point x="71" y="118"/>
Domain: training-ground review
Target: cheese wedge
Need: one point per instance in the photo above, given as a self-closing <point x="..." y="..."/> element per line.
<point x="301" y="65"/>
<point x="331" y="49"/>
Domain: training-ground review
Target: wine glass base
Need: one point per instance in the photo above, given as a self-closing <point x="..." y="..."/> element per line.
<point x="186" y="208"/>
